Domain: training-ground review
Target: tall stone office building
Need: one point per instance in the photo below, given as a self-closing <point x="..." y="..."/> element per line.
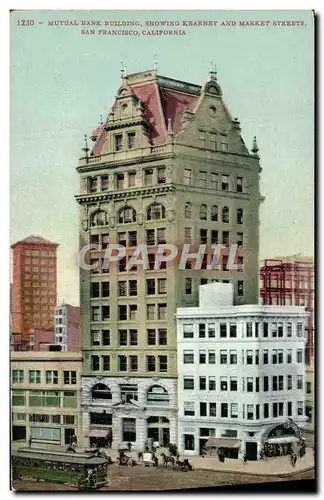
<point x="168" y="165"/>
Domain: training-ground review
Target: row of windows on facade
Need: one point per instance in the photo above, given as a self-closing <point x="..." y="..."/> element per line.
<point x="40" y="253"/>
<point x="248" y="384"/>
<point x="66" y="399"/>
<point x="158" y="236"/>
<point x="37" y="299"/>
<point x="47" y="376"/>
<point x="125" y="180"/>
<point x="248" y="412"/>
<point x="42" y="418"/>
<point x="50" y="287"/>
<point x="42" y="307"/>
<point x="127" y="288"/>
<point x="250" y="330"/>
<point x="156" y="211"/>
<point x="248" y="357"/>
<point x="129" y="337"/>
<point x="130" y="363"/>
<point x="156" y="394"/>
<point x="203" y="262"/>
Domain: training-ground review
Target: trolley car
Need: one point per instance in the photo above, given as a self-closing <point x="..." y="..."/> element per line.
<point x="81" y="470"/>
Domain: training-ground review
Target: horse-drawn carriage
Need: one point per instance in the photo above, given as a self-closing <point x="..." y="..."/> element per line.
<point x="123" y="459"/>
<point x="86" y="472"/>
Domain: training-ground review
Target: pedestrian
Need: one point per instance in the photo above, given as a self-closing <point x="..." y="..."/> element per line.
<point x="245" y="459"/>
<point x="30" y="442"/>
<point x="129" y="446"/>
<point x="261" y="455"/>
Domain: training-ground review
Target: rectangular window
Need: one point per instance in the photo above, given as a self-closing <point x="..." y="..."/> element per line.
<point x="289" y="408"/>
<point x="300" y="330"/>
<point x="249" y="357"/>
<point x="95" y="313"/>
<point x="162" y="286"/>
<point x="94" y="290"/>
<point x="202" y="330"/>
<point x="274" y="329"/>
<point x="223" y="330"/>
<point x="118" y="142"/>
<point x="163" y="363"/>
<point x="249" y="384"/>
<point x="189" y="409"/>
<point x="239" y="184"/>
<point x="161" y="175"/>
<point x="133" y="337"/>
<point x="203" y="236"/>
<point x="188" y="331"/>
<point x="234" y="410"/>
<point x="266" y="410"/>
<point x="187" y="177"/>
<point x="240" y="288"/>
<point x="105" y="312"/>
<point x="211" y="384"/>
<point x="104" y="183"/>
<point x="233" y="357"/>
<point x="17" y="376"/>
<point x="265" y="384"/>
<point x="300" y="408"/>
<point x="274" y="383"/>
<point x="225" y="238"/>
<point x="274" y="356"/>
<point x="214" y="237"/>
<point x="280" y="383"/>
<point x="223" y="357"/>
<point x="133" y="363"/>
<point x="131" y="179"/>
<point x="233" y="330"/>
<point x="162" y="311"/>
<point x="224" y="410"/>
<point x="131" y="140"/>
<point x="248" y="329"/>
<point x="188" y="286"/>
<point x="151" y="337"/>
<point x="148" y="177"/>
<point x="188" y="357"/>
<point x="289" y="329"/>
<point x="275" y="410"/>
<point x="201" y="138"/>
<point x="211" y="357"/>
<point x="122" y="313"/>
<point x="203" y="409"/>
<point x="122" y="363"/>
<point x="95" y="363"/>
<point x="203" y="179"/>
<point x="120" y="184"/>
<point x="289" y="356"/>
<point x="212" y="409"/>
<point x="233" y="384"/>
<point x="299" y="381"/>
<point x="34" y="376"/>
<point x="150" y="363"/>
<point x="225" y="183"/>
<point x="223" y="383"/>
<point x="70" y="377"/>
<point x="18" y="398"/>
<point x="202" y="383"/>
<point x="163" y="336"/>
<point x="105" y="337"/>
<point x="213" y="141"/>
<point x="289" y="382"/>
<point x="150" y="287"/>
<point x="280" y="330"/>
<point x="202" y="357"/>
<point x="93" y="184"/>
<point x="214" y="181"/>
<point x="308" y="388"/>
<point x="106" y="363"/>
<point x="249" y="411"/>
<point x="211" y="331"/>
<point x="188" y="383"/>
<point x="299" y="356"/>
<point x="51" y="376"/>
<point x="132" y="238"/>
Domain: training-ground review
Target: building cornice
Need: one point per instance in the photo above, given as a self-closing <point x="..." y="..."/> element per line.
<point x="128" y="194"/>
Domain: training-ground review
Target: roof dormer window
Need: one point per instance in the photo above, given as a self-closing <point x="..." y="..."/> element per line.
<point x="118" y="142"/>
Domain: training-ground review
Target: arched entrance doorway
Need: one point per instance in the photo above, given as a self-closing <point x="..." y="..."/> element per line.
<point x="281" y="440"/>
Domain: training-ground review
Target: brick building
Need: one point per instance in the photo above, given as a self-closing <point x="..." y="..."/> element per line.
<point x="290" y="281"/>
<point x="34" y="286"/>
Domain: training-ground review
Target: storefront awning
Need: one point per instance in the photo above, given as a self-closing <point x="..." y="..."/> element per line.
<point x="282" y="440"/>
<point x="98" y="433"/>
<point x="222" y="443"/>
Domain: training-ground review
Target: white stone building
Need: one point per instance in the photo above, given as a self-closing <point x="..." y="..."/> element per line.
<point x="133" y="410"/>
<point x="241" y="375"/>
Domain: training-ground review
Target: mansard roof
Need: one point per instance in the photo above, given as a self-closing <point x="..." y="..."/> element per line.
<point x="34" y="240"/>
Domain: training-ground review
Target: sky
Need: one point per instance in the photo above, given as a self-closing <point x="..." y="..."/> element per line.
<point x="62" y="81"/>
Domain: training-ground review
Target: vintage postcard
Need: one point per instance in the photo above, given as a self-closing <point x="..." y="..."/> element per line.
<point x="162" y="243"/>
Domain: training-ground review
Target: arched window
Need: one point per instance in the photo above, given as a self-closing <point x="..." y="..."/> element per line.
<point x="127" y="215"/>
<point x="156" y="211"/>
<point x="187" y="211"/>
<point x="214" y="213"/>
<point x="203" y="212"/>
<point x="98" y="219"/>
<point x="225" y="214"/>
<point x="240" y="216"/>
<point x="100" y="391"/>
<point x="158" y="396"/>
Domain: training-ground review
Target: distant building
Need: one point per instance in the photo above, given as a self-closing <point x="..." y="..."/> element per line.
<point x="67" y="327"/>
<point x="289" y="281"/>
<point x="241" y="383"/>
<point x="45" y="401"/>
<point x="34" y="285"/>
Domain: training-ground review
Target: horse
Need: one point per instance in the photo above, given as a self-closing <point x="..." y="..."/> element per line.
<point x="167" y="461"/>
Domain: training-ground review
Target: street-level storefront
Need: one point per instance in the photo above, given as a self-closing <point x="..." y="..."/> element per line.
<point x="136" y="411"/>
